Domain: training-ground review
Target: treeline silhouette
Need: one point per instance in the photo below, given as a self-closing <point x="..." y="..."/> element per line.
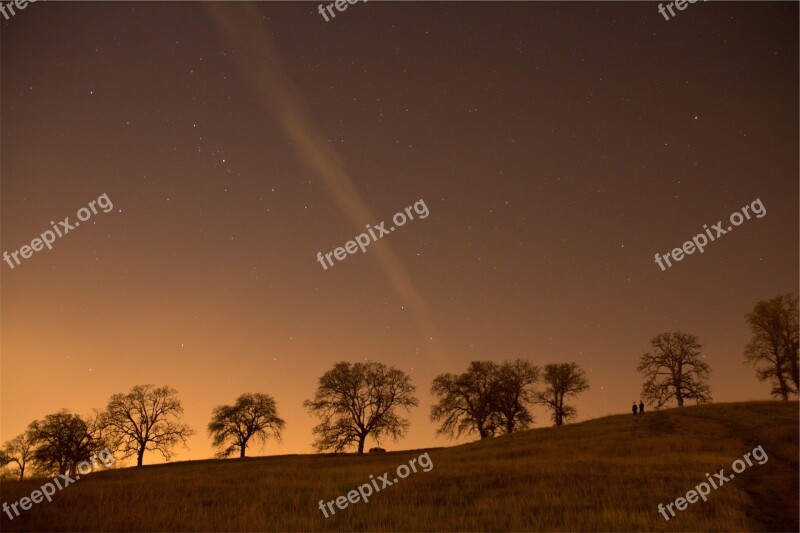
<point x="354" y="401"/>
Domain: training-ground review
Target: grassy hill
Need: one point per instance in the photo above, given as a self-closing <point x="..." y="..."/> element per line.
<point x="604" y="474"/>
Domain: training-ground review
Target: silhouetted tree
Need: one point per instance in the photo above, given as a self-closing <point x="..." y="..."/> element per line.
<point x="357" y="400"/>
<point x="515" y="394"/>
<point x="675" y="370"/>
<point x="61" y="441"/>
<point x="562" y="380"/>
<point x="467" y="402"/>
<point x="253" y="415"/>
<point x="145" y="419"/>
<point x="18" y="450"/>
<point x="775" y="343"/>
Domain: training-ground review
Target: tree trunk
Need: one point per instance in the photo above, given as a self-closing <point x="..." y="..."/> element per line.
<point x="361" y="440"/>
<point x="784" y="389"/>
<point x="795" y="371"/>
<point x="241" y="451"/>
<point x="679" y="384"/>
<point x="21" y="472"/>
<point x="782" y="384"/>
<point x="792" y="355"/>
<point x="560" y="411"/>
<point x="140" y="456"/>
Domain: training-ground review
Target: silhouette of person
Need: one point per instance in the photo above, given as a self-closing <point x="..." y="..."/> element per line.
<point x="634" y="408"/>
<point x="641" y="407"/>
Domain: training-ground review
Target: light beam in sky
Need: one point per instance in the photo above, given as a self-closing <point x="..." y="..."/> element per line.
<point x="241" y="25"/>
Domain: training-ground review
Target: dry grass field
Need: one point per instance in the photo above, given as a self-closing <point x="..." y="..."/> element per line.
<point x="608" y="474"/>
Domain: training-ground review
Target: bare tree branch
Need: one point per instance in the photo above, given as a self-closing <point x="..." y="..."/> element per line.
<point x="562" y="381"/>
<point x="253" y="415"/>
<point x="773" y="349"/>
<point x="467" y="402"/>
<point x="145" y="419"/>
<point x="357" y="400"/>
<point x="675" y="370"/>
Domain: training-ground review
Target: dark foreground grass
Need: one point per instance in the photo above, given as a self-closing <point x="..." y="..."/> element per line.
<point x="608" y="474"/>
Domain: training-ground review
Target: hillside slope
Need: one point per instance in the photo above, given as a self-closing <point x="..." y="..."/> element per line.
<point x="604" y="474"/>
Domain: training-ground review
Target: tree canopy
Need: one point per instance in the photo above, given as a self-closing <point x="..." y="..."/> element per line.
<point x="562" y="380"/>
<point x="355" y="400"/>
<point x="488" y="397"/>
<point x="773" y="348"/>
<point x="145" y="419"/>
<point x="253" y="415"/>
<point x="675" y="370"/>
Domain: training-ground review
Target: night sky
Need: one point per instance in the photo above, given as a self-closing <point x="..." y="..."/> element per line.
<point x="557" y="146"/>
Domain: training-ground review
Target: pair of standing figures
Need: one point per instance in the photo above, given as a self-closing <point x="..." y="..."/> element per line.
<point x="641" y="408"/>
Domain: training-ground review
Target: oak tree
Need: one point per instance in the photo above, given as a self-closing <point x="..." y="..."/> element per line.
<point x="773" y="349"/>
<point x="357" y="400"/>
<point x="145" y="419"/>
<point x="675" y="370"/>
<point x="466" y="403"/>
<point x="562" y="381"/>
<point x="253" y="415"/>
<point x="18" y="450"/>
<point x="62" y="440"/>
